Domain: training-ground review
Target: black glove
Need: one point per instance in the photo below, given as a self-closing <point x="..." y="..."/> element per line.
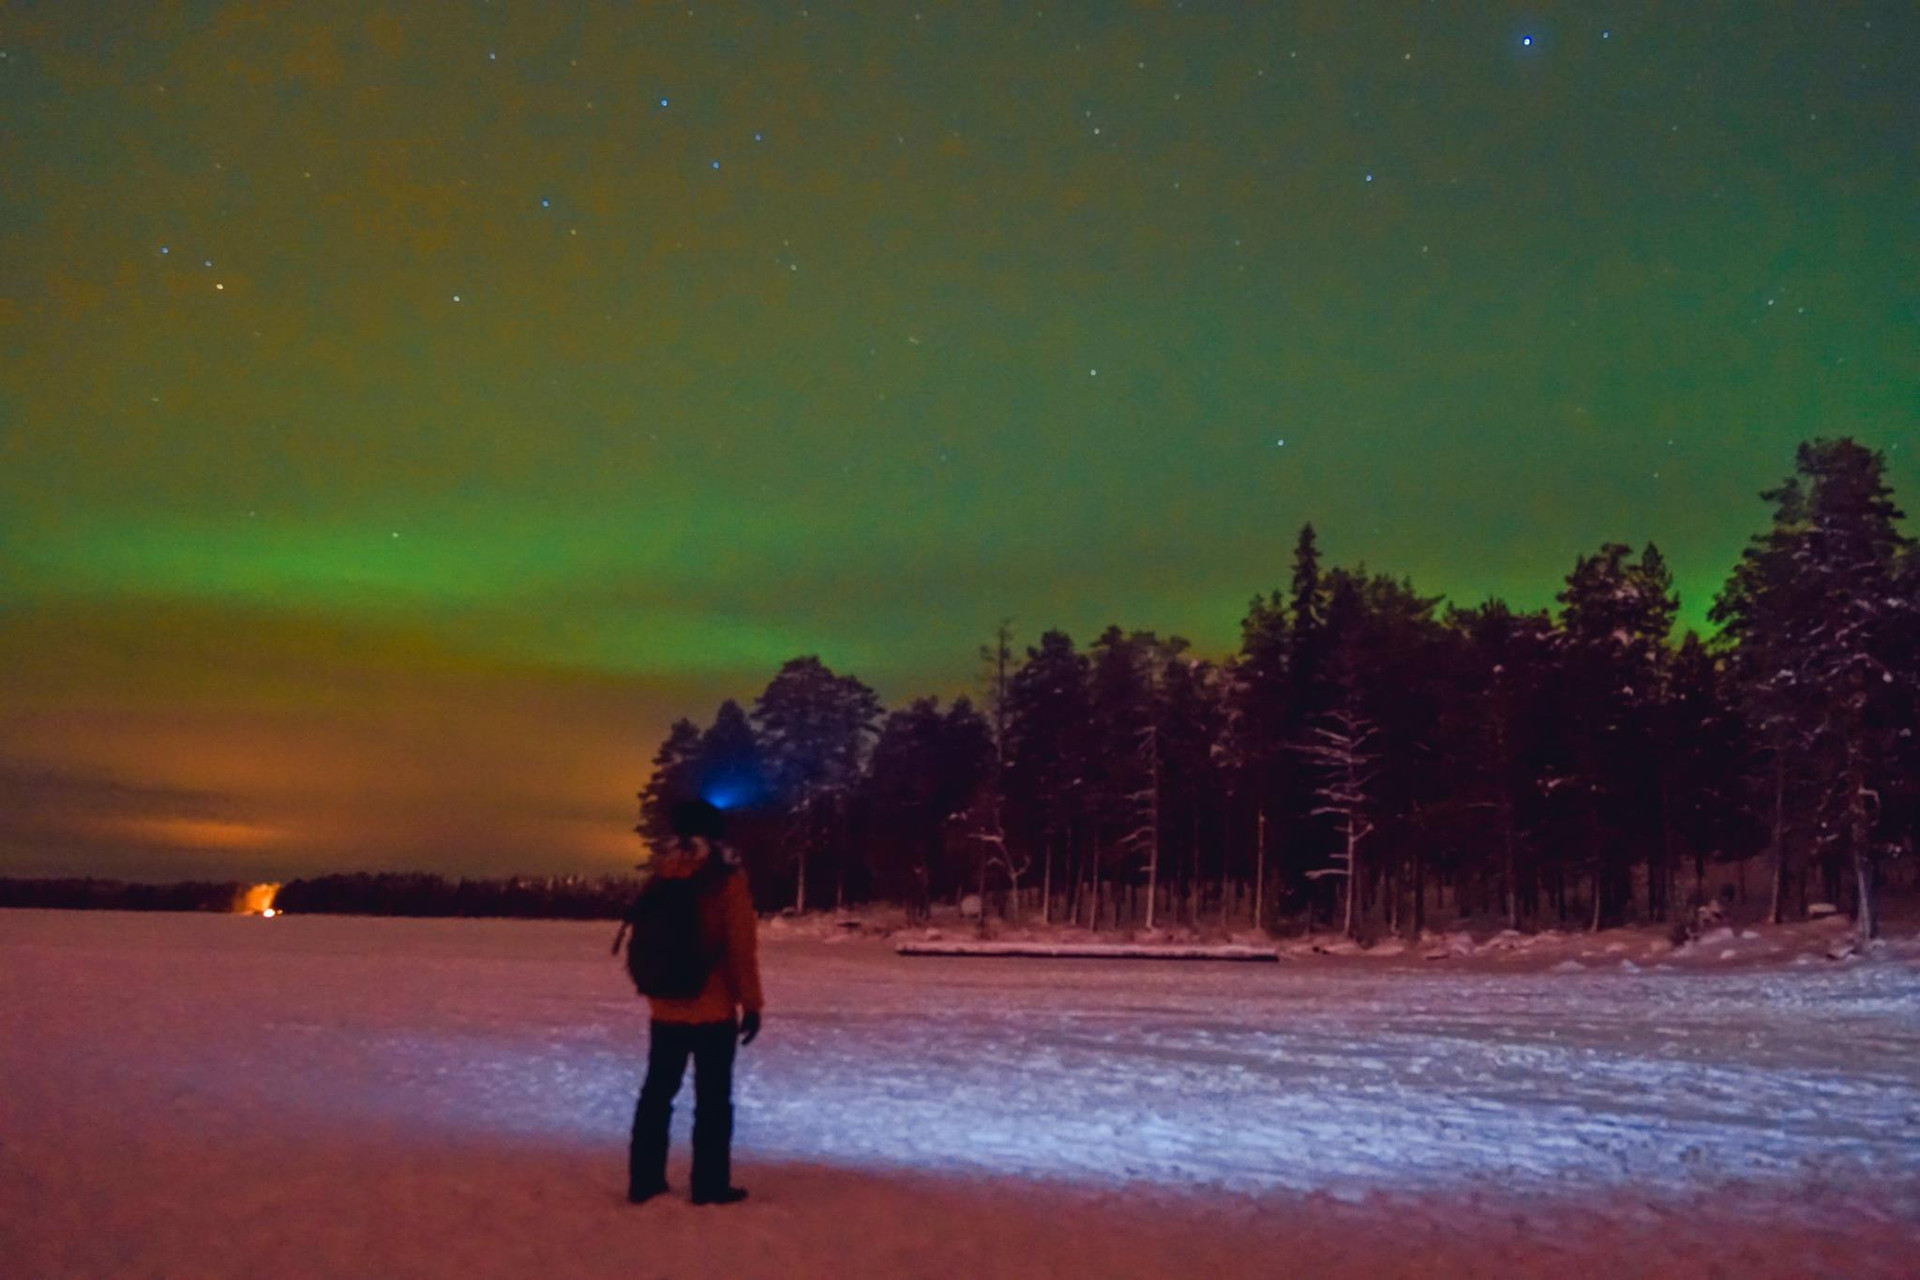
<point x="749" y="1026"/>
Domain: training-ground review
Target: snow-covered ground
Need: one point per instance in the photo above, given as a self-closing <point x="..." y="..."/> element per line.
<point x="228" y="1096"/>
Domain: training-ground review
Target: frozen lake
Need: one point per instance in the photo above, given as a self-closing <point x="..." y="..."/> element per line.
<point x="313" y="1090"/>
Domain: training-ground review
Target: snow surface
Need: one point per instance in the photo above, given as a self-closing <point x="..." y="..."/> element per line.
<point x="229" y="1096"/>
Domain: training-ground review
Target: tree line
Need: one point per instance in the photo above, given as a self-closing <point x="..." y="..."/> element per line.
<point x="1367" y="754"/>
<point x="364" y="893"/>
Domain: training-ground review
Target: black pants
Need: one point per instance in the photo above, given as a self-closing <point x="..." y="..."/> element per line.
<point x="711" y="1046"/>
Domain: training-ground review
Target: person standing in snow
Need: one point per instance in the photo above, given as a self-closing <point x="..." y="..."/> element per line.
<point x="698" y="881"/>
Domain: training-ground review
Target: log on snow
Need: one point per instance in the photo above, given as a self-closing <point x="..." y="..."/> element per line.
<point x="1085" y="951"/>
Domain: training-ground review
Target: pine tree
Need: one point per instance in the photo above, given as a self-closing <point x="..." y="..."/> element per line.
<point x="1257" y="703"/>
<point x="1705" y="759"/>
<point x="728" y="769"/>
<point x="1048" y="738"/>
<point x="926" y="768"/>
<point x="986" y="816"/>
<point x="1758" y="612"/>
<point x="1822" y="623"/>
<point x="673" y="780"/>
<point x="1385" y="651"/>
<point x="1614" y="622"/>
<point x="1190" y="721"/>
<point x="1125" y="782"/>
<point x="815" y="728"/>
<point x="1307" y="605"/>
<point x="1491" y="750"/>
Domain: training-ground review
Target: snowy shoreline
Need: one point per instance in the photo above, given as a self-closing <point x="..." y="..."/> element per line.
<point x="1627" y="949"/>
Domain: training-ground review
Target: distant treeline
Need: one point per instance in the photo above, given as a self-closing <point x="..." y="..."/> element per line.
<point x="119" y="895"/>
<point x="365" y="894"/>
<point x="420" y="894"/>
<point x="1367" y="757"/>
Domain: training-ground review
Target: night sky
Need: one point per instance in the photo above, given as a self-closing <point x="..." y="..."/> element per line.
<point x="406" y="411"/>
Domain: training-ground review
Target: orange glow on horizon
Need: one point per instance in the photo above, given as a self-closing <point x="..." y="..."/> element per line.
<point x="257" y="901"/>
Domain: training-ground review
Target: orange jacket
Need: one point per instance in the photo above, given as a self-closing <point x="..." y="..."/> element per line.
<point x="728" y="926"/>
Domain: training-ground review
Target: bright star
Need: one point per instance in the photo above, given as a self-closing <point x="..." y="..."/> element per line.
<point x="1526" y="40"/>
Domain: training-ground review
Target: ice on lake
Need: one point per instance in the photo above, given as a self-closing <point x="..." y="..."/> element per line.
<point x="342" y="1055"/>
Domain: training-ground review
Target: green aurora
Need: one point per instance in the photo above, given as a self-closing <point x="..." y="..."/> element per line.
<point x="561" y="370"/>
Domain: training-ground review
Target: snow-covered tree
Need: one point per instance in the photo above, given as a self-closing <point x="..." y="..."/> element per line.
<point x="1340" y="747"/>
<point x="1821" y="617"/>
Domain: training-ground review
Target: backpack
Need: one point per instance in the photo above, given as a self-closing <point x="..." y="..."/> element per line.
<point x="667" y="956"/>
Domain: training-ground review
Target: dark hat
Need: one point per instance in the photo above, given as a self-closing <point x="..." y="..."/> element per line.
<point x="690" y="818"/>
